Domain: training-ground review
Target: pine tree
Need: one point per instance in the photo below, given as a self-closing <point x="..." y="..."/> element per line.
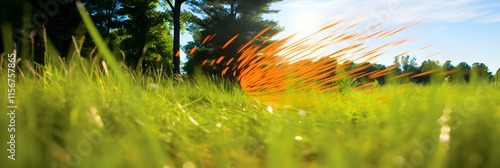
<point x="222" y="21"/>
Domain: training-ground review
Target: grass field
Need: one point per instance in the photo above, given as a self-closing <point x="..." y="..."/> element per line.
<point x="95" y="118"/>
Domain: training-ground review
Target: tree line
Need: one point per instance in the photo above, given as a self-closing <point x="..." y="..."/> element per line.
<point x="405" y="69"/>
<point x="138" y="31"/>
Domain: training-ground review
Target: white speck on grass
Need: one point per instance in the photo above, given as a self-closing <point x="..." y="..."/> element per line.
<point x="188" y="165"/>
<point x="444" y="118"/>
<point x="298" y="138"/>
<point x="270" y="109"/>
<point x="139" y="122"/>
<point x="444" y="137"/>
<point x="302" y="113"/>
<point x="194" y="121"/>
<point x="180" y="106"/>
<point x="96" y="116"/>
<point x="445" y="129"/>
<point x="446" y="111"/>
<point x="218" y="125"/>
<point x="223" y="109"/>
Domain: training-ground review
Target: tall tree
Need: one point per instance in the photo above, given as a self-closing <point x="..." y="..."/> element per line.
<point x="145" y="34"/>
<point x="221" y="21"/>
<point x="106" y="14"/>
<point x="480" y="71"/>
<point x="463" y="71"/>
<point x="176" y="8"/>
<point x="447" y="66"/>
<point x="426" y="66"/>
<point x="408" y="64"/>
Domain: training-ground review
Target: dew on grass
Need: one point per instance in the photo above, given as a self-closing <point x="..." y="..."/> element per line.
<point x="218" y="125"/>
<point x="270" y="109"/>
<point x="298" y="138"/>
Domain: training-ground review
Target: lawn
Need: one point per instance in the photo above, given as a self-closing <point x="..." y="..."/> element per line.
<point x="90" y="117"/>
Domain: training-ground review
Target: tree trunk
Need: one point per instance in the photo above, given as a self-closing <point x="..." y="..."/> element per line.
<point x="177" y="29"/>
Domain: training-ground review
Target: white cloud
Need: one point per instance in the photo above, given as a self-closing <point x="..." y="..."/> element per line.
<point x="309" y="4"/>
<point x="490" y="18"/>
<point x="403" y="11"/>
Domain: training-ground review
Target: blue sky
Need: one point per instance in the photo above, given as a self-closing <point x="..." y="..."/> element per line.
<point x="463" y="30"/>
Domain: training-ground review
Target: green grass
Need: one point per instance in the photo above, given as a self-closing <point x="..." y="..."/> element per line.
<point x="81" y="115"/>
<point x="91" y="119"/>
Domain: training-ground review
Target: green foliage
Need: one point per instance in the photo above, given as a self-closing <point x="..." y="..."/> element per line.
<point x="27" y="20"/>
<point x="408" y="65"/>
<point x="462" y="73"/>
<point x="146" y="35"/>
<point x="497" y="76"/>
<point x="480" y="72"/>
<point x="226" y="19"/>
<point x="106" y="14"/>
<point x="429" y="65"/>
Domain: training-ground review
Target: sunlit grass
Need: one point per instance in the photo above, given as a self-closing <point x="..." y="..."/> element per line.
<point x="97" y="123"/>
<point x="83" y="115"/>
